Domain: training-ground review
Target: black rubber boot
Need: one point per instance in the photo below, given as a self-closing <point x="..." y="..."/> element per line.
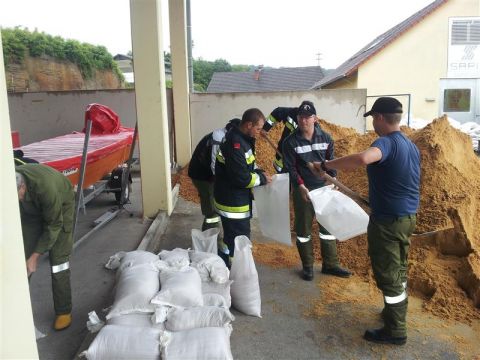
<point x="380" y="336"/>
<point x="307" y="273"/>
<point x="336" y="271"/>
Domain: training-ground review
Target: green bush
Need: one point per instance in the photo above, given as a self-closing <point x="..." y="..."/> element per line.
<point x="18" y="42"/>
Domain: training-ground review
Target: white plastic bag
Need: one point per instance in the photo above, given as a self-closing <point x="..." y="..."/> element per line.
<point x="94" y="324"/>
<point x="205" y="241"/>
<point x="211" y="287"/>
<point x="210" y="266"/>
<point x="179" y="288"/>
<point x="272" y="202"/>
<point x="245" y="288"/>
<point x="338" y="213"/>
<point x="211" y="343"/>
<point x="176" y="258"/>
<point x="135" y="287"/>
<point x="197" y="317"/>
<point x="125" y="343"/>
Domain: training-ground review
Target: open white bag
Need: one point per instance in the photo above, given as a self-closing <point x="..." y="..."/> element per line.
<point x="338" y="213"/>
<point x="205" y="241"/>
<point x="272" y="203"/>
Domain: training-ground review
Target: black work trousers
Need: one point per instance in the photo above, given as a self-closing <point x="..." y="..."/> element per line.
<point x="231" y="229"/>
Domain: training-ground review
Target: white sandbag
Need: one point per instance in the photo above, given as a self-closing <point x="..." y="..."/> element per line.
<point x="160" y="314"/>
<point x="272" y="203"/>
<point x="135" y="320"/>
<point x="205" y="241"/>
<point x="211" y="343"/>
<point x="135" y="288"/>
<point x="124" y="259"/>
<point x="176" y="258"/>
<point x="180" y="288"/>
<point x="125" y="343"/>
<point x="245" y="288"/>
<point x="211" y="287"/>
<point x="210" y="266"/>
<point x="338" y="213"/>
<point x="215" y="300"/>
<point x="197" y="317"/>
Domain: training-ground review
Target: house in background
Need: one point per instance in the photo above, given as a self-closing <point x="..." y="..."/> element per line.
<point x="125" y="64"/>
<point x="430" y="56"/>
<point x="264" y="80"/>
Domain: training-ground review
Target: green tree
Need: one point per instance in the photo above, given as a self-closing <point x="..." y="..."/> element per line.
<point x="18" y="42"/>
<point x="203" y="71"/>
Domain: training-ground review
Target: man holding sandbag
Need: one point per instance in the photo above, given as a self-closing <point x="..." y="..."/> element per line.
<point x="236" y="173"/>
<point x="309" y="143"/>
<point x="393" y="168"/>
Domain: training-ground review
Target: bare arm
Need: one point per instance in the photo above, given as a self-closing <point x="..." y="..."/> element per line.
<point x="371" y="155"/>
<point x="349" y="162"/>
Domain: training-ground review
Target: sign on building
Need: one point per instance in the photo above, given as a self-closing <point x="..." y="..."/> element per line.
<point x="464" y="48"/>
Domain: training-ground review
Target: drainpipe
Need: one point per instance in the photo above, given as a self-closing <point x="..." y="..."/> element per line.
<point x="189" y="47"/>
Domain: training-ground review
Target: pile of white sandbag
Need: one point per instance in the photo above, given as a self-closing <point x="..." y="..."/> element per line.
<point x="175" y="305"/>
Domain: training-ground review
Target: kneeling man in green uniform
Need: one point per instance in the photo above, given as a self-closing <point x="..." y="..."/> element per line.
<point x="47" y="204"/>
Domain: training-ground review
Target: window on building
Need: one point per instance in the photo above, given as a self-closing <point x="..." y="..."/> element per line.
<point x="466" y="32"/>
<point x="456" y="100"/>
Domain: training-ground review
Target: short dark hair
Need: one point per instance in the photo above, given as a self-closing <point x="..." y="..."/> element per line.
<point x="392" y="118"/>
<point x="252" y="115"/>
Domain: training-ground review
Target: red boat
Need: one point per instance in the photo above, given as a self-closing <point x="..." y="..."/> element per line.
<point x="109" y="146"/>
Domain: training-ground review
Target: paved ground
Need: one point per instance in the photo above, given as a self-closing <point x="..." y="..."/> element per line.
<point x="285" y="331"/>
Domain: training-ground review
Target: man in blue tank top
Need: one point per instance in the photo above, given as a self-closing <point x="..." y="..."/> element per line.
<point x="393" y="168"/>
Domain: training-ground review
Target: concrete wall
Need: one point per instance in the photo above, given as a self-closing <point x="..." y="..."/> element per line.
<point x="415" y="62"/>
<point x="211" y="111"/>
<point x="42" y="115"/>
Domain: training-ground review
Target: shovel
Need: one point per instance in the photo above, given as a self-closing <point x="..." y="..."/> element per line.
<point x="357" y="197"/>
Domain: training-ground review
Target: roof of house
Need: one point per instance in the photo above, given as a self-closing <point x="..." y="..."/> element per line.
<point x="372" y="48"/>
<point x="122" y="57"/>
<point x="297" y="78"/>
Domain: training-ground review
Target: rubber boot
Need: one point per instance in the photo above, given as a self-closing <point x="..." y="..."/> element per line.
<point x="330" y="263"/>
<point x="395" y="319"/>
<point x="305" y="250"/>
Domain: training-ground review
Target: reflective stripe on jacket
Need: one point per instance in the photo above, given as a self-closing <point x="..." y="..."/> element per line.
<point x="287" y="115"/>
<point x="298" y="151"/>
<point x="235" y="175"/>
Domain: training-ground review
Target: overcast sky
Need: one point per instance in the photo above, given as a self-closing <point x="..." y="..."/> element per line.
<point x="270" y="32"/>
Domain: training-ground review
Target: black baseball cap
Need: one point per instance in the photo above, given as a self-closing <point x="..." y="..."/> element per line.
<point x="385" y="105"/>
<point x="307" y="108"/>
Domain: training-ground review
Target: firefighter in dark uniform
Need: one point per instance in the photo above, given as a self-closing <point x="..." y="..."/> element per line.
<point x="47" y="203"/>
<point x="287" y="115"/>
<point x="306" y="144"/>
<point x="393" y="169"/>
<point x="236" y="173"/>
<point x="202" y="172"/>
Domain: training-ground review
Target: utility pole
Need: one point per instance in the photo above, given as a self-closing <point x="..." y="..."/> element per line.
<point x="319" y="57"/>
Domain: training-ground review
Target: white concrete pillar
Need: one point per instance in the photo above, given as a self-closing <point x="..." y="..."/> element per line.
<point x="181" y="102"/>
<point x="17" y="333"/>
<point x="150" y="92"/>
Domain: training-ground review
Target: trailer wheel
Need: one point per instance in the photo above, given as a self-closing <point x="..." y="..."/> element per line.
<point x="119" y="180"/>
